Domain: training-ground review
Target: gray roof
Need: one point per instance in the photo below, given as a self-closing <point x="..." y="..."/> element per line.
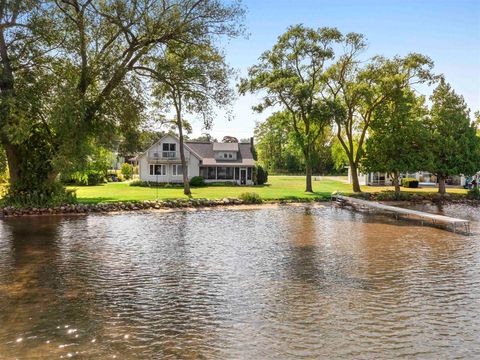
<point x="205" y="150"/>
<point x="225" y="146"/>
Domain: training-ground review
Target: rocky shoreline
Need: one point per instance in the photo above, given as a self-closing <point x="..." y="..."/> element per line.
<point x="122" y="206"/>
<point x="126" y="206"/>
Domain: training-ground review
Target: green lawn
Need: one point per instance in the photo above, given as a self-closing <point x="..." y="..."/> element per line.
<point x="278" y="188"/>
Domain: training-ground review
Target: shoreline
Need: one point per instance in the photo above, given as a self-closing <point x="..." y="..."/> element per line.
<point x="204" y="204"/>
<point x="160" y="206"/>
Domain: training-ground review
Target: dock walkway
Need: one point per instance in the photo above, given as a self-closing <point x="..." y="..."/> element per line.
<point x="434" y="218"/>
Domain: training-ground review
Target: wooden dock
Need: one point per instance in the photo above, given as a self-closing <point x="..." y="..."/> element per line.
<point x="415" y="214"/>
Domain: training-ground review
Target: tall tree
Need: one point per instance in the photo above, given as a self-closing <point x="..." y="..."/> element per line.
<point x="190" y="79"/>
<point x="291" y="75"/>
<point x="398" y="139"/>
<point x="454" y="144"/>
<point x="273" y="141"/>
<point x="68" y="65"/>
<point x="360" y="89"/>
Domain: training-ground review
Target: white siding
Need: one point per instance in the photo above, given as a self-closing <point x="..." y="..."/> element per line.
<point x="362" y="178"/>
<point x="144" y="163"/>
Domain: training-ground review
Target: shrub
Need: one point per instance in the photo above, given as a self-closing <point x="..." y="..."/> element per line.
<point x="261" y="175"/>
<point x="391" y="196"/>
<point x="410" y="182"/>
<point x="127" y="170"/>
<point x="474" y="193"/>
<point x="250" y="198"/>
<point x="49" y="195"/>
<point x="197" y="181"/>
<point x="138" y="183"/>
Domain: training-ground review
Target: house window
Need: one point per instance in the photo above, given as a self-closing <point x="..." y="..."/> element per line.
<point x="221" y="173"/>
<point x="204" y="172"/>
<point x="158" y="169"/>
<point x="230" y="156"/>
<point x="211" y="173"/>
<point x="225" y="173"/>
<point x="169" y="146"/>
<point x="177" y="170"/>
<point x="169" y="150"/>
<point x="225" y="155"/>
<point x="237" y="173"/>
<point x="229" y="173"/>
<point x="249" y="173"/>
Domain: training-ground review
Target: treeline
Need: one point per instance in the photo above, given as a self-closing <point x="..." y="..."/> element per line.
<point x="338" y="107"/>
<point x="279" y="152"/>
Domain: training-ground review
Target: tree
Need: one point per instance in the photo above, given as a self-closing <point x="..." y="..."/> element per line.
<point x="127" y="170"/>
<point x="455" y="145"/>
<point x="291" y="75"/>
<point x="361" y="89"/>
<point x="191" y="79"/>
<point x="398" y="139"/>
<point x="205" y="137"/>
<point x="273" y="141"/>
<point x="339" y="156"/>
<point x="66" y="68"/>
<point x="229" y="139"/>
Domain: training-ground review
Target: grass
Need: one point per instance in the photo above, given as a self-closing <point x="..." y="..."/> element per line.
<point x="278" y="188"/>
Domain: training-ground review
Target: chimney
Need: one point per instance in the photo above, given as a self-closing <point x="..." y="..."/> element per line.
<point x="252" y="149"/>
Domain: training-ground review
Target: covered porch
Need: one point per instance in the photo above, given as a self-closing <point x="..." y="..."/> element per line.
<point x="242" y="175"/>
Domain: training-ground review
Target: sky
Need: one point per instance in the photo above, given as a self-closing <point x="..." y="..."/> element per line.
<point x="448" y="31"/>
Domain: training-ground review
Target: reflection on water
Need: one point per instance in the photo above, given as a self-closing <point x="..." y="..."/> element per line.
<point x="292" y="282"/>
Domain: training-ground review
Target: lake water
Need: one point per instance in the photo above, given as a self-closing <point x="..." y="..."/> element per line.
<point x="293" y="282"/>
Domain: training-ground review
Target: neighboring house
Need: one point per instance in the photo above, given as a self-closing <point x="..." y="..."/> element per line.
<point x="215" y="162"/>
<point x="424" y="178"/>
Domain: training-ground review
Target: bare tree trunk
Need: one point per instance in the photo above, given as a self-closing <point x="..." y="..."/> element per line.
<point x="441" y="184"/>
<point x="186" y="183"/>
<point x="354" y="175"/>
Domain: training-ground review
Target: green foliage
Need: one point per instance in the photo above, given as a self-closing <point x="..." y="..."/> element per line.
<point x="69" y="77"/>
<point x="290" y="74"/>
<point x="138" y="183"/>
<point x="474" y="193"/>
<point x="454" y="145"/>
<point x="393" y="196"/>
<point x="197" y="181"/>
<point x="360" y="90"/>
<point x="410" y="182"/>
<point x="50" y="195"/>
<point x="338" y="154"/>
<point x="261" y="175"/>
<point x="92" y="171"/>
<point x="250" y="198"/>
<point x="127" y="170"/>
<point x="398" y="140"/>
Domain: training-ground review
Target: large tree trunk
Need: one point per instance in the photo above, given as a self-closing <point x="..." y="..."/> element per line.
<point x="396" y="183"/>
<point x="186" y="183"/>
<point x="308" y="171"/>
<point x="13" y="160"/>
<point x="354" y="175"/>
<point x="441" y="184"/>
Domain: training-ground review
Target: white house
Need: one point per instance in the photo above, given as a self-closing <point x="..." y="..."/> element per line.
<point x="215" y="162"/>
<point x="424" y="178"/>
